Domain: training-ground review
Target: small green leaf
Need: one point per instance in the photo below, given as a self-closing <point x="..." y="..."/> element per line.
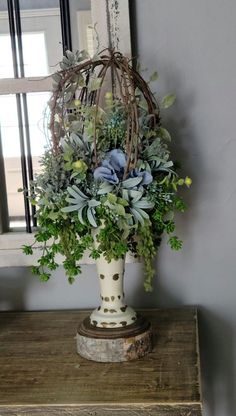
<point x="120" y="210"/>
<point x="168" y="101"/>
<point x="164" y="134"/>
<point x="112" y="198"/>
<point x="27" y="250"/>
<point x="53" y="215"/>
<point x="123" y="202"/>
<point x="95" y="84"/>
<point x="154" y="76"/>
<point x="35" y="270"/>
<point x="175" y="243"/>
<point x="44" y="277"/>
<point x="81" y="81"/>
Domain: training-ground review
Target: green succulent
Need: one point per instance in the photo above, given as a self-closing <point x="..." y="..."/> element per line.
<point x="83" y="205"/>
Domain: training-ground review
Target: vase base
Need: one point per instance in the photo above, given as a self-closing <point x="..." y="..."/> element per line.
<point x="114" y="345"/>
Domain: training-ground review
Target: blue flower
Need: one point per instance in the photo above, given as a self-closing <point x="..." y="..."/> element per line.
<point x="106" y="173"/>
<point x="112" y="168"/>
<point x="147" y="177"/>
<point x="117" y="159"/>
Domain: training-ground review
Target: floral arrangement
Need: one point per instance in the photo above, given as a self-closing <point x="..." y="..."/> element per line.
<point x="107" y="164"/>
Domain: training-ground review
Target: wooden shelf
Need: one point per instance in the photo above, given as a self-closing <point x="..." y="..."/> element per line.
<point x="40" y="372"/>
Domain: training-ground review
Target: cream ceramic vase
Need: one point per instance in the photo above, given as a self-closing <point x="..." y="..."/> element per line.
<point x="113" y="312"/>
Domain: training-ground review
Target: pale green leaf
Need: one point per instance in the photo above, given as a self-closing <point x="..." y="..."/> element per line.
<point x="137" y="216"/>
<point x="80" y="214"/>
<point x="154" y="76"/>
<point x="56" y="77"/>
<point x="144" y="203"/>
<point x="95" y="84"/>
<point x="168" y="101"/>
<point x="132" y="182"/>
<point x="93" y="203"/>
<point x="76" y="189"/>
<point x="70" y="55"/>
<point x="73" y="208"/>
<point x="168" y="164"/>
<point x="120" y="210"/>
<point x="91" y="217"/>
<point x="164" y="134"/>
<point x="125" y="194"/>
<point x="143" y="213"/>
<point x="135" y="195"/>
<point x="123" y="202"/>
<point x="105" y="188"/>
<point x="112" y="198"/>
<point x="53" y="215"/>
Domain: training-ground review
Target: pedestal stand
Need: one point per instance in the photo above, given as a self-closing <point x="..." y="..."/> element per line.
<point x="114" y="344"/>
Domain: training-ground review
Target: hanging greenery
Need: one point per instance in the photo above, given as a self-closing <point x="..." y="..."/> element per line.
<point x="108" y="163"/>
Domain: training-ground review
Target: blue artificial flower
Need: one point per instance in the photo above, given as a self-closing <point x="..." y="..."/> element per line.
<point x="117" y="159"/>
<point x="106" y="173"/>
<point x="112" y="168"/>
<point x="147" y="177"/>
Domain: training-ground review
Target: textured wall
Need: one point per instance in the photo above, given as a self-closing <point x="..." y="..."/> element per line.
<point x="192" y="44"/>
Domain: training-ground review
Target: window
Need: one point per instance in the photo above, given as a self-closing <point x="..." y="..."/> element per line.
<point x="33" y="35"/>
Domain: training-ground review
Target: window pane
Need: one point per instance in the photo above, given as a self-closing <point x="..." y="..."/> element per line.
<point x="35" y="54"/>
<point x="37" y="107"/>
<point x="6" y="64"/>
<point x="41" y="36"/>
<point x="11" y="153"/>
<point x="81" y="21"/>
<point x="11" y="147"/>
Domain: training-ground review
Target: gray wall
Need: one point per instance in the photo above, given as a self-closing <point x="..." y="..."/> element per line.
<point x="191" y="43"/>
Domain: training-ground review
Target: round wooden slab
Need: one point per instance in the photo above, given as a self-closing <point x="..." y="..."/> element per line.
<point x="114" y="345"/>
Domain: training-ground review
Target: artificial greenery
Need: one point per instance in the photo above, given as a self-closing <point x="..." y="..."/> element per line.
<point x="103" y="170"/>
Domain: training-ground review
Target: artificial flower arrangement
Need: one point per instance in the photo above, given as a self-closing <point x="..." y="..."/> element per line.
<point x="108" y="165"/>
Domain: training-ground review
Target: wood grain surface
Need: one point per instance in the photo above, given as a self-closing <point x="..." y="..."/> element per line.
<point x="41" y="373"/>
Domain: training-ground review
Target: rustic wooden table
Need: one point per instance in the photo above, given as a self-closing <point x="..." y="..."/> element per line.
<point x="40" y="372"/>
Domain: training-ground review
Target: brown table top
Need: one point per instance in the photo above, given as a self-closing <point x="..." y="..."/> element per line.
<point x="40" y="369"/>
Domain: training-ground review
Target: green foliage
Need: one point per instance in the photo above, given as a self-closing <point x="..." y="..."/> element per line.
<point x="27" y="249"/>
<point x="135" y="203"/>
<point x="147" y="250"/>
<point x="110" y="242"/>
<point x="175" y="243"/>
<point x="154" y="76"/>
<point x="168" y="101"/>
